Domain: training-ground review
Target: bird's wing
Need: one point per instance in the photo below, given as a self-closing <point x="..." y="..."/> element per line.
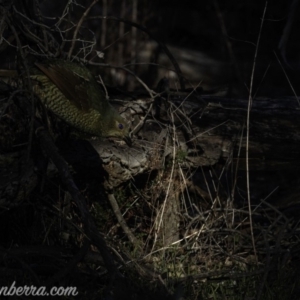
<point x="71" y="84"/>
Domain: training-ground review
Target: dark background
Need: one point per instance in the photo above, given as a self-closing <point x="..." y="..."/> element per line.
<point x="219" y="38"/>
<point x="213" y="41"/>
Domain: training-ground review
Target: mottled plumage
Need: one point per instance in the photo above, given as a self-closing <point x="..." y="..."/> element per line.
<point x="70" y="91"/>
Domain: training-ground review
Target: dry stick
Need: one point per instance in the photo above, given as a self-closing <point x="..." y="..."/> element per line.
<point x="64" y="13"/>
<point x="78" y="27"/>
<point x="57" y="24"/>
<point x="122" y="222"/>
<point x="186" y="98"/>
<point x="30" y="20"/>
<point x="237" y="164"/>
<point x="89" y="224"/>
<point x="248" y="129"/>
<point x="152" y="93"/>
<point x="287" y="78"/>
<point x="162" y="45"/>
<point x="262" y="79"/>
<point x="30" y="35"/>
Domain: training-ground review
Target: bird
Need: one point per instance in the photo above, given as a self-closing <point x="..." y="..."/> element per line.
<point x="69" y="90"/>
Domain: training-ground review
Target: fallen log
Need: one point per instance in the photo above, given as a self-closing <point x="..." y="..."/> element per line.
<point x="194" y="131"/>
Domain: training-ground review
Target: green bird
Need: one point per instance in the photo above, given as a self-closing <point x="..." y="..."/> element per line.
<point x="70" y="91"/>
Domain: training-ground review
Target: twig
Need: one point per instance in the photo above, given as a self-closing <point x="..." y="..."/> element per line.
<point x="78" y="27"/>
<point x="122" y="222"/>
<point x="248" y="133"/>
<point x="286" y="76"/>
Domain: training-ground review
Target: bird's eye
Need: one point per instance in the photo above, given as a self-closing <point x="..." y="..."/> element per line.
<point x="121" y="126"/>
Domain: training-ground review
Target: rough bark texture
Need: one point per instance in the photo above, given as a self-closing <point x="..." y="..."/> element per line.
<point x="206" y="131"/>
<point x="192" y="131"/>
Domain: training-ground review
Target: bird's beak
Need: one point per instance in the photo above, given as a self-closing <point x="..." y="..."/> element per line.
<point x="128" y="141"/>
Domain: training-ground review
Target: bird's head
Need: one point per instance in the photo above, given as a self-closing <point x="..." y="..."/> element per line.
<point x="116" y="126"/>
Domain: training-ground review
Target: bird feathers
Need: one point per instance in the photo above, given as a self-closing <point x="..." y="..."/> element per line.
<point x="73" y="86"/>
<point x="71" y="92"/>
